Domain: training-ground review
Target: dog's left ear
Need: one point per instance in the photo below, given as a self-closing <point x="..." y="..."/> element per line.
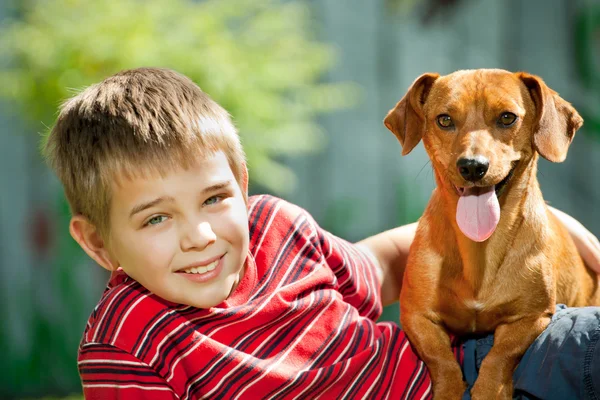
<point x="556" y="119"/>
<point x="407" y="120"/>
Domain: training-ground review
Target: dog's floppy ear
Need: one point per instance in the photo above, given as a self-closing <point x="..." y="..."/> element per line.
<point x="556" y="120"/>
<point x="407" y="120"/>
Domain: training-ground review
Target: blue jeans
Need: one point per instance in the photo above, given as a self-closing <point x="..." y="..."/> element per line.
<point x="563" y="363"/>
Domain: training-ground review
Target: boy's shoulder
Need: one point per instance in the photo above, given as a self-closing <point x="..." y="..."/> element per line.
<point x="271" y="217"/>
<point x="258" y="204"/>
<point x="132" y="319"/>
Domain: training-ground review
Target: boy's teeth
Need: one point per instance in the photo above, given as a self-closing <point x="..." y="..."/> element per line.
<point x="201" y="270"/>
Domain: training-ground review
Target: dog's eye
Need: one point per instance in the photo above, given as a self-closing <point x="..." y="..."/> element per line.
<point x="444" y="121"/>
<point x="507" y="119"/>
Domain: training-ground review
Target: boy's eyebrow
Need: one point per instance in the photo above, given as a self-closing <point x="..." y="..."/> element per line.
<point x="141" y="207"/>
<point x="216" y="186"/>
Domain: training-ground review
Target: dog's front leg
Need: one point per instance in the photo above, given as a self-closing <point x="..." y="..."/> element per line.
<point x="510" y="343"/>
<point x="432" y="344"/>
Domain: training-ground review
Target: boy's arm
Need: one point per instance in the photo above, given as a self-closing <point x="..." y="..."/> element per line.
<point x="109" y="373"/>
<point x="587" y="244"/>
<point x="390" y="249"/>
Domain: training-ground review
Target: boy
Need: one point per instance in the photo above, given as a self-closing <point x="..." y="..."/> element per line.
<point x="214" y="294"/>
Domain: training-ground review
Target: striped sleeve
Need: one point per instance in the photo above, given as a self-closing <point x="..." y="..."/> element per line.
<point x="108" y="372"/>
<point x="355" y="271"/>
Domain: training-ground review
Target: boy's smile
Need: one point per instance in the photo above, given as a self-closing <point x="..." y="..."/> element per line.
<point x="183" y="236"/>
<point x="202" y="271"/>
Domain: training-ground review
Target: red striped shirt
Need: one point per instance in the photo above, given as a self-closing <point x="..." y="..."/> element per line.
<point x="300" y="325"/>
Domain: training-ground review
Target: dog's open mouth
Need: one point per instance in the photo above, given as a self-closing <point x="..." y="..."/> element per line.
<point x="478" y="208"/>
<point x="502" y="184"/>
<point x="498" y="188"/>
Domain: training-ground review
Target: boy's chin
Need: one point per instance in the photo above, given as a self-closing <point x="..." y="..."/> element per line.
<point x="203" y="303"/>
<point x="214" y="299"/>
<point x="206" y="305"/>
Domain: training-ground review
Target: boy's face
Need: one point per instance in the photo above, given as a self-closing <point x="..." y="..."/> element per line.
<point x="185" y="236"/>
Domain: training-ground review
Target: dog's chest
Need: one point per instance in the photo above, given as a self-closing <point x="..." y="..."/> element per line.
<point x="464" y="312"/>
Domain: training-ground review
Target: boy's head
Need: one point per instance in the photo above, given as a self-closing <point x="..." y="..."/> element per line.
<point x="137" y="122"/>
<point x="155" y="175"/>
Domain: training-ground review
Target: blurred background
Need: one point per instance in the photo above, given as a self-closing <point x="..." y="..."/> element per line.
<point x="308" y="83"/>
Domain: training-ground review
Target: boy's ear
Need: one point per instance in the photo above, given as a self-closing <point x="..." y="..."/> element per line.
<point x="86" y="234"/>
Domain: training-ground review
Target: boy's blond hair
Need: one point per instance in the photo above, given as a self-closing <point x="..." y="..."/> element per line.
<point x="135" y="123"/>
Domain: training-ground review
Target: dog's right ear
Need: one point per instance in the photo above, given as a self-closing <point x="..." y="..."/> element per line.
<point x="556" y="119"/>
<point x="407" y="120"/>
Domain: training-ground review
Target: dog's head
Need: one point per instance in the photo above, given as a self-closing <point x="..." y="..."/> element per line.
<point x="478" y="125"/>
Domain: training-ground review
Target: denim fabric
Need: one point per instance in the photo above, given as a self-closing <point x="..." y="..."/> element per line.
<point x="562" y="363"/>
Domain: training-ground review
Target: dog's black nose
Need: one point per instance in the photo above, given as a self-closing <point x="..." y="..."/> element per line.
<point x="473" y="169"/>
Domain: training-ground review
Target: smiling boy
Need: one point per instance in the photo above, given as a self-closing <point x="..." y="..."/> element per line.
<point x="214" y="294"/>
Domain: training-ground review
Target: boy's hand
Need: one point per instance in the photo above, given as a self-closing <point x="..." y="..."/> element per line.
<point x="587" y="244"/>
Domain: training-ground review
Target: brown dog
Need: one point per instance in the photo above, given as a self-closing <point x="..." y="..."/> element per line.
<point x="488" y="255"/>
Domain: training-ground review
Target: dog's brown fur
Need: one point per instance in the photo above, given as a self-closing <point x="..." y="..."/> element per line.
<point x="510" y="283"/>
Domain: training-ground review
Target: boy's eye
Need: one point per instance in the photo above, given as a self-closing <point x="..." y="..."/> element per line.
<point x="156" y="220"/>
<point x="212" y="200"/>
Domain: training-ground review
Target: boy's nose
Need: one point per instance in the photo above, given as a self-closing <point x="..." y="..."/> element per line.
<point x="197" y="237"/>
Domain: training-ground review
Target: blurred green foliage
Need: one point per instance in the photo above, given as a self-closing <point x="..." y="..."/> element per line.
<point x="257" y="58"/>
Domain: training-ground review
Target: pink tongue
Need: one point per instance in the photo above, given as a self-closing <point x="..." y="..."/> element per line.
<point x="478" y="213"/>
